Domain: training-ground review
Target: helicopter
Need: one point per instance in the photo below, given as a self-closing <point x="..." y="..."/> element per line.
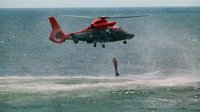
<point x="99" y="31"/>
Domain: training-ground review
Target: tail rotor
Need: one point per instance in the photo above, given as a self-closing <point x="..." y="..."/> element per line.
<point x="57" y="35"/>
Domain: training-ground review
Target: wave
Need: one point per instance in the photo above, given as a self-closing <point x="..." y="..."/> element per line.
<point x="101" y="82"/>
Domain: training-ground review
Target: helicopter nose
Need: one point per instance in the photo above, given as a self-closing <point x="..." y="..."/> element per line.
<point x="131" y="36"/>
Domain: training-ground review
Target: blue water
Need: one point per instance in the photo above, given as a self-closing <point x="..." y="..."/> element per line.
<point x="159" y="68"/>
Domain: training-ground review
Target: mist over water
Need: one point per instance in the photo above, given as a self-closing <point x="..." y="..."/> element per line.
<point x="159" y="68"/>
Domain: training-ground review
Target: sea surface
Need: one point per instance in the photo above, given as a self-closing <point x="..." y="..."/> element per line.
<point x="159" y="68"/>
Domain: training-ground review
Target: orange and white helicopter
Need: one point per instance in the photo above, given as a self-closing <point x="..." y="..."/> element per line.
<point x="99" y="31"/>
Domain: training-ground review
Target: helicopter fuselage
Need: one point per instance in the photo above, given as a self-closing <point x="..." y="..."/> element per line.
<point x="102" y="35"/>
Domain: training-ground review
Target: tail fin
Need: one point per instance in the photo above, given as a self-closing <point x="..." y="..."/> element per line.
<point x="56" y="34"/>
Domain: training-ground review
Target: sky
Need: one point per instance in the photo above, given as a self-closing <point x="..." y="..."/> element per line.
<point x="96" y="3"/>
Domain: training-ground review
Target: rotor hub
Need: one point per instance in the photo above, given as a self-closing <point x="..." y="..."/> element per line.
<point x="103" y="17"/>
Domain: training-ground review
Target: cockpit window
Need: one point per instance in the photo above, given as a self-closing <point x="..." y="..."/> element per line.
<point x="120" y="29"/>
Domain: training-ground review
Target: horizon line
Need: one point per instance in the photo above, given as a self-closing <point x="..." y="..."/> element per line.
<point x="100" y="7"/>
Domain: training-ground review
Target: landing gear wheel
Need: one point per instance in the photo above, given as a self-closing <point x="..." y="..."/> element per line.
<point x="76" y="41"/>
<point x="102" y="42"/>
<point x="124" y="42"/>
<point x="95" y="44"/>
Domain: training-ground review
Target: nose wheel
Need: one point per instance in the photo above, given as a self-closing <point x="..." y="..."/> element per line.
<point x="124" y="41"/>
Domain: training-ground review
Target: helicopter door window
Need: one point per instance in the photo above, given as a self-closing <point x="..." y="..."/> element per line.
<point x="108" y="31"/>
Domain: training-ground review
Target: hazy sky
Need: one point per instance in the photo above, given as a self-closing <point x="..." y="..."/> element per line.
<point x="95" y="3"/>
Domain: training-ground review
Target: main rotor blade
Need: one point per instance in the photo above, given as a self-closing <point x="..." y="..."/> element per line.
<point x="126" y="16"/>
<point x="76" y="16"/>
<point x="103" y="17"/>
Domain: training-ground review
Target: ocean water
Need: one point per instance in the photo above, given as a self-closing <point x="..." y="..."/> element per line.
<point x="159" y="68"/>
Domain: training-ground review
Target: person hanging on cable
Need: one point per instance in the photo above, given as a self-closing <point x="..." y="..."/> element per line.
<point x="115" y="66"/>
